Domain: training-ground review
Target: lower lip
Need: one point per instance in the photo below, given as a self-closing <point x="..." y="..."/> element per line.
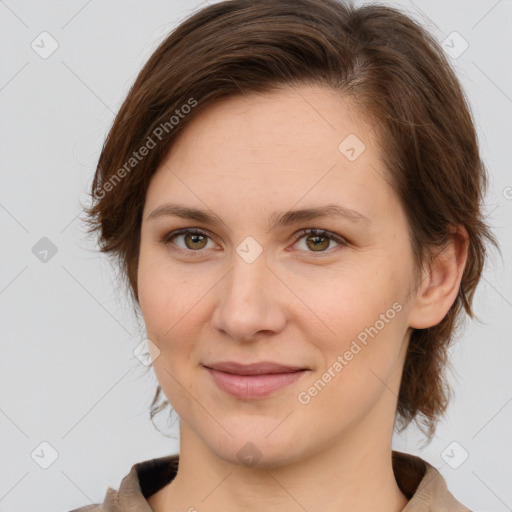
<point x="250" y="387"/>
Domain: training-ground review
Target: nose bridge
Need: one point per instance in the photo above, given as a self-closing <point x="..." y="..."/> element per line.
<point x="249" y="300"/>
<point x="247" y="282"/>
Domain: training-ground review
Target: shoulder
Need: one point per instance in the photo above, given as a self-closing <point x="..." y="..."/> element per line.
<point x="111" y="503"/>
<point x="144" y="479"/>
<point x="434" y="491"/>
<point x="424" y="485"/>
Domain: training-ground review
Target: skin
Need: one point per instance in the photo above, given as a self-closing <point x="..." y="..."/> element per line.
<point x="243" y="159"/>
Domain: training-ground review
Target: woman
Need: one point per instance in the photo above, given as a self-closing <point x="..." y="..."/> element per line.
<point x="292" y="190"/>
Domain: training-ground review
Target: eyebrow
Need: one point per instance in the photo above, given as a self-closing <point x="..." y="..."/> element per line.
<point x="277" y="219"/>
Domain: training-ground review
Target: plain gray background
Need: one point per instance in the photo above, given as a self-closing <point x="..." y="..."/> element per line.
<point x="69" y="376"/>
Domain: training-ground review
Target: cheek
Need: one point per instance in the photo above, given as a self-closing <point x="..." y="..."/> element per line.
<point x="347" y="304"/>
<point x="169" y="316"/>
<point x="358" y="369"/>
<point x="173" y="314"/>
<point x="165" y="296"/>
<point x="365" y="317"/>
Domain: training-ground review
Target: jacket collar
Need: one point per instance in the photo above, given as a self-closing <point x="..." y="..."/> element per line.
<point x="420" y="482"/>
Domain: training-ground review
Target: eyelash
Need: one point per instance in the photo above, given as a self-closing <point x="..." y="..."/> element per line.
<point x="169" y="237"/>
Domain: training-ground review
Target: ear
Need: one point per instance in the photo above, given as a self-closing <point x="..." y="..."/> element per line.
<point x="440" y="283"/>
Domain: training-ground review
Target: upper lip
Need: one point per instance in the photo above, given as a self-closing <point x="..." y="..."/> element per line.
<point x="264" y="367"/>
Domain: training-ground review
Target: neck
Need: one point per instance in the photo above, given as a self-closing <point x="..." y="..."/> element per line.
<point x="353" y="473"/>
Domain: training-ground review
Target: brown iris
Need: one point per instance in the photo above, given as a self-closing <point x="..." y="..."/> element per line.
<point x="195" y="239"/>
<point x="316" y="243"/>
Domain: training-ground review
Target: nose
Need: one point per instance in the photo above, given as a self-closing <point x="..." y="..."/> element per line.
<point x="250" y="301"/>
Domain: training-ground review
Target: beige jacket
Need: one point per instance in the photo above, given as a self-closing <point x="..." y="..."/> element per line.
<point x="418" y="480"/>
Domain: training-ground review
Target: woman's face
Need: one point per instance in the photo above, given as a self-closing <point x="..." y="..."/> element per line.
<point x="251" y="287"/>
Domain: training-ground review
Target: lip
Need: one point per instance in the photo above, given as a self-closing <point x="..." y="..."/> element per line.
<point x="250" y="382"/>
<point x="261" y="368"/>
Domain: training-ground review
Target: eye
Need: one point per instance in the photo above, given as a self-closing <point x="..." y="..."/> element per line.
<point x="195" y="240"/>
<point x="319" y="240"/>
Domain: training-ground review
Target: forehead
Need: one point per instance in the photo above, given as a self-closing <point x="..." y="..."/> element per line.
<point x="304" y="144"/>
<point x="303" y="117"/>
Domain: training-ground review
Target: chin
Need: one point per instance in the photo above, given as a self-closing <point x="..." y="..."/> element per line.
<point x="258" y="450"/>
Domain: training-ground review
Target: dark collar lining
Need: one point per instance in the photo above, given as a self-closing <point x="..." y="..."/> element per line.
<point x="409" y="471"/>
<point x="156" y="473"/>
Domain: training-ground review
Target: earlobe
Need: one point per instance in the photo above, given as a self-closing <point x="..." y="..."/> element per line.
<point x="440" y="282"/>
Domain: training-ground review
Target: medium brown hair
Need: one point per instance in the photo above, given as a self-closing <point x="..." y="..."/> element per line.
<point x="375" y="56"/>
